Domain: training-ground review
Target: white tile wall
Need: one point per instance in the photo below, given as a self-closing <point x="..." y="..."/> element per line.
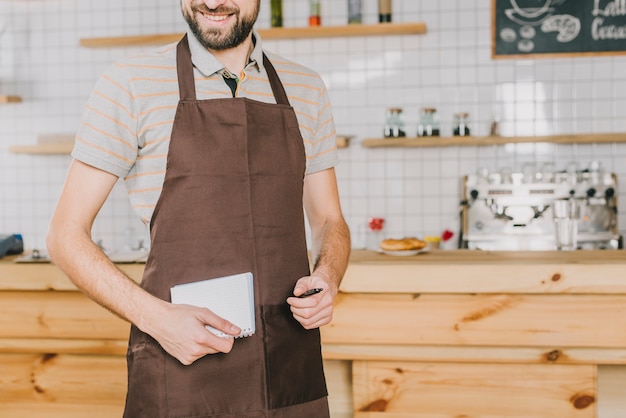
<point x="416" y="190"/>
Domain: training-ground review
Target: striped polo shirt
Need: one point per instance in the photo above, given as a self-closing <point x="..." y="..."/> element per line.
<point x="129" y="115"/>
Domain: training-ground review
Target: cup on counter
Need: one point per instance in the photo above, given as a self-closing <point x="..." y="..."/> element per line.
<point x="433" y="242"/>
<point x="374" y="233"/>
<point x="566" y="213"/>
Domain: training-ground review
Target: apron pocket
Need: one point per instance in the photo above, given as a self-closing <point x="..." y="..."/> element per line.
<point x="294" y="359"/>
<point x="218" y="384"/>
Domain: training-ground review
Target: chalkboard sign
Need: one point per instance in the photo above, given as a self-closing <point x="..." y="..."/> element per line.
<point x="536" y="28"/>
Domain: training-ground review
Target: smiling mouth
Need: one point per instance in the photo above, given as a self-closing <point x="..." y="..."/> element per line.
<point x="219" y="14"/>
<point x="216" y="17"/>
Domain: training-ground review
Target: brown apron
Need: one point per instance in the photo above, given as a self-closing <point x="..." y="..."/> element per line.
<point x="231" y="203"/>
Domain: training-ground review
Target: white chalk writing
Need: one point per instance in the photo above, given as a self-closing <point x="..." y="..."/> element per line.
<point x="613" y="8"/>
<point x="599" y="32"/>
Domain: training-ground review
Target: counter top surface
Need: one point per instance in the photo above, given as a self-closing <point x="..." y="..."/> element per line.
<point x="494" y="257"/>
<point x="435" y="271"/>
<point x="472" y="271"/>
<point x="458" y="256"/>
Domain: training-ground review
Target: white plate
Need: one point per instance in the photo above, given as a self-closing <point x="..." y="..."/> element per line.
<point x="404" y="253"/>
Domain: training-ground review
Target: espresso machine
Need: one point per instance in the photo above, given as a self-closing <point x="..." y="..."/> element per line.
<point x="507" y="210"/>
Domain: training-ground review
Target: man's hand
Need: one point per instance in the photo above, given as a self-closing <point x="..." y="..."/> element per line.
<point x="316" y="310"/>
<point x="182" y="333"/>
<point x="330" y="250"/>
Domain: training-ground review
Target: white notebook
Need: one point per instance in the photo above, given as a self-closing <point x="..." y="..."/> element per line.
<point x="231" y="297"/>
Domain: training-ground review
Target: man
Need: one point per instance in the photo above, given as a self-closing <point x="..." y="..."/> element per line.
<point x="220" y="164"/>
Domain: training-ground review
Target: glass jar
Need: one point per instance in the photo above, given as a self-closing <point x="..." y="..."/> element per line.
<point x="394" y="124"/>
<point x="277" y="13"/>
<point x="433" y="242"/>
<point x="375" y="233"/>
<point x="355" y="14"/>
<point x="461" y="127"/>
<point x="428" y="124"/>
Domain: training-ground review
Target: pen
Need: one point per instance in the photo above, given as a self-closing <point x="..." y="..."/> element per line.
<point x="311" y="292"/>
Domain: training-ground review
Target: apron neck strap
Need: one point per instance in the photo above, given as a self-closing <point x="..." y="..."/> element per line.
<point x="277" y="86"/>
<point x="187" y="85"/>
<point x="184" y="67"/>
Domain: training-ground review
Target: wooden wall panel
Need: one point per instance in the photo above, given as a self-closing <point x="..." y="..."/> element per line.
<point x="477" y="278"/>
<point x="54" y="314"/>
<point x="433" y="390"/>
<point x="63" y="346"/>
<point x="62" y="379"/>
<point x="480" y="320"/>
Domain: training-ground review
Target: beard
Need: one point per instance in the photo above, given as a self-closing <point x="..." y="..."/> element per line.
<point x="217" y="39"/>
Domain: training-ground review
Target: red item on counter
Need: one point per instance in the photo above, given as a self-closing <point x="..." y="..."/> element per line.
<point x="446" y="235"/>
<point x="376" y="224"/>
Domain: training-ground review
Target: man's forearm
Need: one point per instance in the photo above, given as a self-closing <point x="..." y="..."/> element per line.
<point x="96" y="276"/>
<point x="332" y="253"/>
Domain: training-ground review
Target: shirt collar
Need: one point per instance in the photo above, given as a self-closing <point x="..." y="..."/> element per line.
<point x="207" y="64"/>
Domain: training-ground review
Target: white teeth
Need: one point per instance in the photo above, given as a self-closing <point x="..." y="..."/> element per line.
<point x="216" y="18"/>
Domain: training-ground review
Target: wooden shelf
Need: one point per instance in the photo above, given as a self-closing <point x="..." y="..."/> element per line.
<point x="381" y="29"/>
<point x="10" y="99"/>
<point x="61" y="148"/>
<point x="65" y="147"/>
<point x="457" y="141"/>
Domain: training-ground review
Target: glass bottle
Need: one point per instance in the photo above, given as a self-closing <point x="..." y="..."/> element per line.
<point x="394" y="124"/>
<point x="384" y="11"/>
<point x="461" y="127"/>
<point x="428" y="124"/>
<point x="355" y="14"/>
<point x="315" y="16"/>
<point x="277" y="13"/>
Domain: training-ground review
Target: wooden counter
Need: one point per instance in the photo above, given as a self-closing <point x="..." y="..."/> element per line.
<point x="443" y="334"/>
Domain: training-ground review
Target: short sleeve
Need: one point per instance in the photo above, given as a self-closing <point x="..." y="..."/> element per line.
<point x="107" y="136"/>
<point x="323" y="154"/>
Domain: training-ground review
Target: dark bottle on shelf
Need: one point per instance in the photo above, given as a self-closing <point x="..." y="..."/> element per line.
<point x="276" y="13"/>
<point x="384" y="11"/>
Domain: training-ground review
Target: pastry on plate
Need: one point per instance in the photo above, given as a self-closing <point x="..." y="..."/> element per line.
<point x="404" y="244"/>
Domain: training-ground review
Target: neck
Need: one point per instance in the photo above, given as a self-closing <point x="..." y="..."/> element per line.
<point x="235" y="59"/>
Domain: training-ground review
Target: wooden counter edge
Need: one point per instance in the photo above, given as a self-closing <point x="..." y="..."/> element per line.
<point x="462" y="271"/>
